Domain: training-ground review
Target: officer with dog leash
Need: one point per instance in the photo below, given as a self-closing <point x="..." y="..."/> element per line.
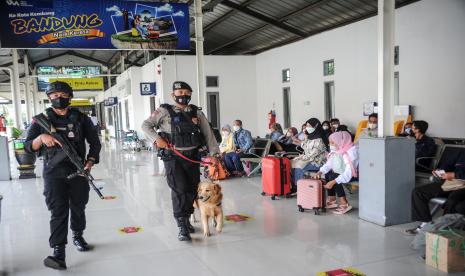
<point x="183" y="130"/>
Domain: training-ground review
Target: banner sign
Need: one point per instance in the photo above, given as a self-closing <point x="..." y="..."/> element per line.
<point x="82" y="84"/>
<point x="94" y="24"/>
<point x="148" y="88"/>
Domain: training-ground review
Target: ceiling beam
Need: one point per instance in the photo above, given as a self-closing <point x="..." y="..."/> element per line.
<point x="263" y="27"/>
<point x="35" y="62"/>
<point x="8" y="80"/>
<point x="264" y="18"/>
<point x="225" y="16"/>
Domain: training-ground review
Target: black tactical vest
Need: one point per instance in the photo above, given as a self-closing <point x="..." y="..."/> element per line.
<point x="184" y="132"/>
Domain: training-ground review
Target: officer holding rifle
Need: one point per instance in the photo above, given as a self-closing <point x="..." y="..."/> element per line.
<point x="65" y="192"/>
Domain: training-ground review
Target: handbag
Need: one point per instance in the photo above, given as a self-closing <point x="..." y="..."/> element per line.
<point x="453" y="185"/>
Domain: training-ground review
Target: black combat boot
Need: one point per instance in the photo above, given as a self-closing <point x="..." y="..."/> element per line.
<point x="57" y="261"/>
<point x="183" y="234"/>
<point x="190" y="227"/>
<point x="80" y="242"/>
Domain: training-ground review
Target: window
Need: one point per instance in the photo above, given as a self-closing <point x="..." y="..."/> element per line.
<point x="212" y="81"/>
<point x="213" y="103"/>
<point x="286" y="75"/>
<point x="287" y="107"/>
<point x="126" y="109"/>
<point x="328" y="67"/>
<point x="329" y="100"/>
<point x="396" y="55"/>
<point x="110" y="116"/>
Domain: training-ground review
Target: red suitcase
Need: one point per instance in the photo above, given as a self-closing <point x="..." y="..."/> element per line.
<point x="276" y="176"/>
<point x="311" y="195"/>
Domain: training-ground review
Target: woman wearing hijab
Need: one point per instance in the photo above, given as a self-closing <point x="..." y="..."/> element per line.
<point x="227" y="141"/>
<point x="314" y="146"/>
<point x="339" y="169"/>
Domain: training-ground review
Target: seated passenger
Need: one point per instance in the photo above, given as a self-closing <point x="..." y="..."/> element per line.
<point x="340" y="168"/>
<point x="424" y="146"/>
<point x="227" y="140"/>
<point x="326" y="128"/>
<point x="243" y="142"/>
<point x="287" y="141"/>
<point x="407" y="130"/>
<point x="276" y="131"/>
<point x="372" y="128"/>
<point x="301" y="135"/>
<point x="315" y="150"/>
<point x="423" y="194"/>
<point x="334" y="122"/>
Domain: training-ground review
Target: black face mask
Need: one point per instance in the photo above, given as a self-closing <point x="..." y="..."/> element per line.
<point x="183" y="100"/>
<point x="61" y="103"/>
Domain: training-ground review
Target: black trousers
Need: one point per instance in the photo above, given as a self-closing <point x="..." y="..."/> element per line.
<point x="336" y="189"/>
<point x="183" y="178"/>
<point x="423" y="194"/>
<point x="63" y="196"/>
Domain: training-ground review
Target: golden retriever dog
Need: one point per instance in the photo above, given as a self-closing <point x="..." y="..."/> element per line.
<point x="208" y="201"/>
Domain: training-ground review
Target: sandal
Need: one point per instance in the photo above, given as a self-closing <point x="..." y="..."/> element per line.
<point x="331" y="205"/>
<point x="342" y="209"/>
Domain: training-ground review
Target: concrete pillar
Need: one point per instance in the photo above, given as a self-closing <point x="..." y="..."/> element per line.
<point x="200" y="55"/>
<point x="35" y="95"/>
<point x="16" y="91"/>
<point x="27" y="90"/>
<point x="386" y="19"/>
<point x="123" y="66"/>
<point x="108" y="77"/>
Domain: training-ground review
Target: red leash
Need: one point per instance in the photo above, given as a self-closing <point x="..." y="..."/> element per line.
<point x="171" y="147"/>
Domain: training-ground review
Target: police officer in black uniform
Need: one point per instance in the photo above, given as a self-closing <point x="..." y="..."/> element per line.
<point x="186" y="128"/>
<point x="63" y="195"/>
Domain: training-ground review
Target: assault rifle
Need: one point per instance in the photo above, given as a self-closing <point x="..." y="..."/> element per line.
<point x="69" y="151"/>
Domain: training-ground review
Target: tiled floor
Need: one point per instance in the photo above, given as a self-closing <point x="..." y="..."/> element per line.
<point x="278" y="241"/>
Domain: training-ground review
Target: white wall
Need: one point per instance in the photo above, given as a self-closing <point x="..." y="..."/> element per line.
<point x="237" y="84"/>
<point x="431" y="37"/>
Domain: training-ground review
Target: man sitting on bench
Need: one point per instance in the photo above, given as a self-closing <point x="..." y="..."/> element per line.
<point x="423" y="194"/>
<point x="243" y="142"/>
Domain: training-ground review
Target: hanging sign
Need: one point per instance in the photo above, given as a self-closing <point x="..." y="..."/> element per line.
<point x="148" y="88"/>
<point x="90" y="24"/>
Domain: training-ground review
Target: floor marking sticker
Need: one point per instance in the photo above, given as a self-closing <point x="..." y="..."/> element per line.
<point x="237" y="218"/>
<point x="130" y="229"/>
<point x="109" y="197"/>
<point x="348" y="271"/>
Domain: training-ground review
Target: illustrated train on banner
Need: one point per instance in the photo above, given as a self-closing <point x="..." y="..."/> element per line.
<point x="90" y="24"/>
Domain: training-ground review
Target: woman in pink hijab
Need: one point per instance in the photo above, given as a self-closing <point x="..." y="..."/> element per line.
<point x="340" y="168"/>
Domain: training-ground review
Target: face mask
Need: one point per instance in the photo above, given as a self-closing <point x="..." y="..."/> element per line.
<point x="236" y="128"/>
<point x="332" y="148"/>
<point x="309" y="130"/>
<point x="61" y="103"/>
<point x="372" y="126"/>
<point x="325" y="127"/>
<point x="182" y="100"/>
<point x="336" y="125"/>
<point x="289" y="134"/>
<point x="408" y="130"/>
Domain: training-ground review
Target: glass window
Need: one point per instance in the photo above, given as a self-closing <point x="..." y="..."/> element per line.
<point x="328" y="67"/>
<point x="110" y="116"/>
<point x="286" y="75"/>
<point x="396" y="55"/>
<point x="212" y="81"/>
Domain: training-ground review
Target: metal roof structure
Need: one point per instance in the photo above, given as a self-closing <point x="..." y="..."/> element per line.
<point x="235" y="27"/>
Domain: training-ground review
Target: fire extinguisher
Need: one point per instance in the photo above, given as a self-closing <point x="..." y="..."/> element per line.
<point x="271" y="118"/>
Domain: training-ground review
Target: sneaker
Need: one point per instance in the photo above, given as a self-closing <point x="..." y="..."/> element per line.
<point x="342" y="209"/>
<point x="413" y="231"/>
<point x="331" y="205"/>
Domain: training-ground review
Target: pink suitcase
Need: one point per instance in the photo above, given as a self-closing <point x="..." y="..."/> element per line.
<point x="311" y="195"/>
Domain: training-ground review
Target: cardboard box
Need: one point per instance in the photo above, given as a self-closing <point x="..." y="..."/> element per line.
<point x="445" y="250"/>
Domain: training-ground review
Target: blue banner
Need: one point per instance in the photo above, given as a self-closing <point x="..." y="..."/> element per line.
<point x="94" y="24"/>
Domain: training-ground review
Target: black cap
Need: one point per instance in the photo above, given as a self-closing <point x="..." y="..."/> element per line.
<point x="181" y="85"/>
<point x="59" y="86"/>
